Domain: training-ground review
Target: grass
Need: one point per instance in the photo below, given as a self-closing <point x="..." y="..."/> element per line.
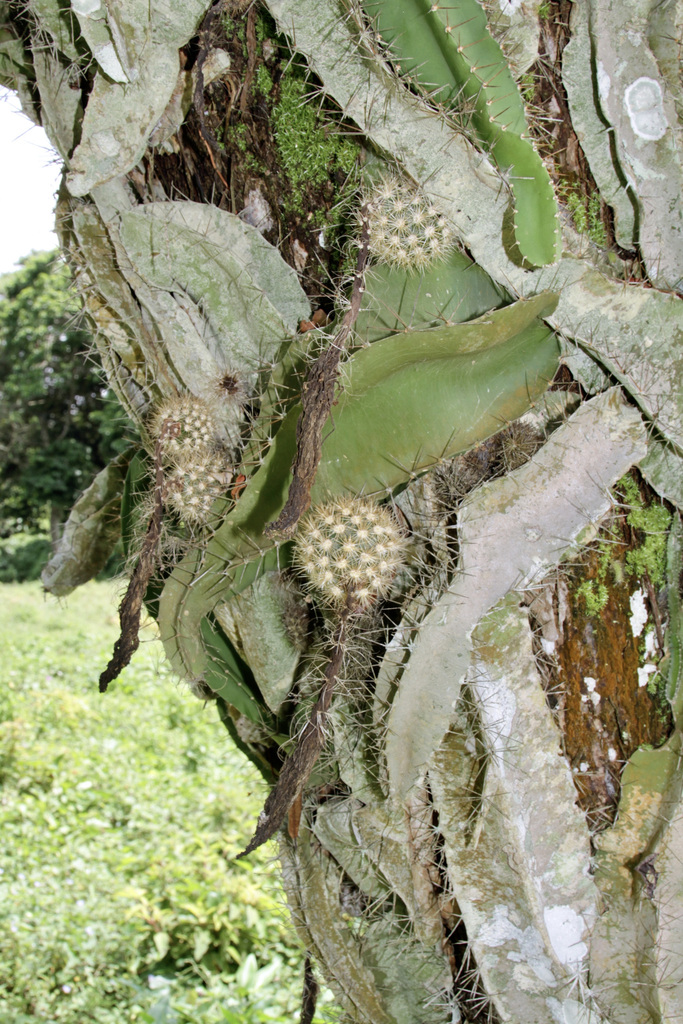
<point x="121" y="814"/>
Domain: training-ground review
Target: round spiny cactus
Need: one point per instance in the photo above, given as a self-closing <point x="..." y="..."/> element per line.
<point x="197" y="428"/>
<point x="405" y="228"/>
<point x="350" y="550"/>
<point x="196" y="480"/>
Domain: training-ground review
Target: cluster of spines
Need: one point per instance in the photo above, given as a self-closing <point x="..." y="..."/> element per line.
<point x="350" y="551"/>
<point x="405" y="229"/>
<point x="193" y="485"/>
<point x="193" y="454"/>
<point x="195" y="427"/>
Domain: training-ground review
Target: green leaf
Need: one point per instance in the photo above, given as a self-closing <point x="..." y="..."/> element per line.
<point x="202" y="941"/>
<point x="227" y="674"/>
<point x="162" y="941"/>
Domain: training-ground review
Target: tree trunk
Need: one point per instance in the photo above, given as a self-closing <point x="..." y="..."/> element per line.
<point x="482" y="814"/>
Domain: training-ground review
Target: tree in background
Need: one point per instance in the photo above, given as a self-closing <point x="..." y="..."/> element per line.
<point x="59" y="422"/>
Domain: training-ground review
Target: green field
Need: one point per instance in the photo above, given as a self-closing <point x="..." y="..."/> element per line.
<point x="120" y="816"/>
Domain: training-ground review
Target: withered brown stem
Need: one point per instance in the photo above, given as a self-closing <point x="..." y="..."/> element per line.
<point x="131" y="605"/>
<point x="299" y="765"/>
<point x="309" y="996"/>
<point x="317" y="398"/>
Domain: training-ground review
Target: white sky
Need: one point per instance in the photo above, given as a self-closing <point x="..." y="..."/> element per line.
<point x="29" y="177"/>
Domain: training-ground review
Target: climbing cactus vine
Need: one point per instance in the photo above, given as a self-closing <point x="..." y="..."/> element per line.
<point x="449" y="52"/>
<point x="391" y="294"/>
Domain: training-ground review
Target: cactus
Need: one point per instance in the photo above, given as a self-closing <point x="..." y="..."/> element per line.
<point x="637" y="105"/>
<point x="449" y="51"/>
<point x="594" y="306"/>
<point x="349" y="550"/>
<point x="197" y="428"/>
<point x="405" y="229"/>
<point x="385" y="669"/>
<point x="194" y="484"/>
<point x="473" y="374"/>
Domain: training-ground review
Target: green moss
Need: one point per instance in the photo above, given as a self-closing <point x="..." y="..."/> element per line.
<point x="544" y="10"/>
<point x="585" y="213"/>
<point x="236" y="134"/>
<point x="263" y="29"/>
<point x="656" y="688"/>
<point x="596" y="229"/>
<point x="235" y="28"/>
<point x="594" y="595"/>
<point x="653" y="522"/>
<point x="527" y="86"/>
<point x="252" y="164"/>
<point x="309" y="150"/>
<point x="264" y="82"/>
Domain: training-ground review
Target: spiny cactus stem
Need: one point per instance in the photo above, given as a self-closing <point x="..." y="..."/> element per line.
<point x="131" y="605"/>
<point x="316" y="400"/>
<point x="299" y="765"/>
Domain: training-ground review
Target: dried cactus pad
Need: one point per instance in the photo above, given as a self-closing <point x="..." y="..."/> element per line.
<point x="350" y="549"/>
